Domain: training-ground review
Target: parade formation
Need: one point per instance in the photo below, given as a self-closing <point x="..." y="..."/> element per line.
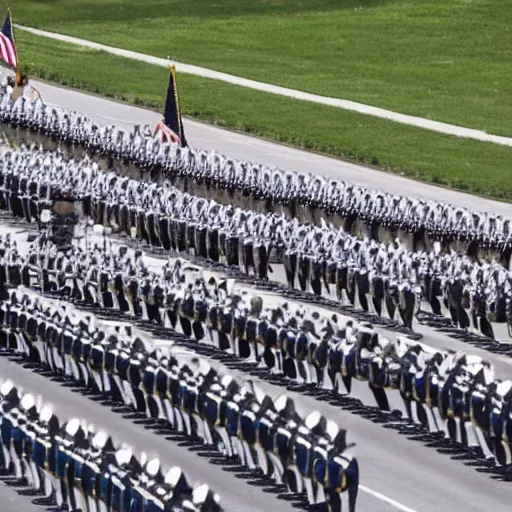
<point x="311" y="198"/>
<point x="386" y="280"/>
<point x="169" y="283"/>
<point x="68" y="463"/>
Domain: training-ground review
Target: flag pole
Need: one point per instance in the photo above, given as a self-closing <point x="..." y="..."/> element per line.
<point x="18" y="74"/>
<point x="178" y="108"/>
<point x="172" y="69"/>
<point x="171" y="125"/>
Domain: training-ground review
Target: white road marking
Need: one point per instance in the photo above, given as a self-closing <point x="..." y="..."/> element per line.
<point x="183" y="353"/>
<point x="419" y="122"/>
<point x="381" y="497"/>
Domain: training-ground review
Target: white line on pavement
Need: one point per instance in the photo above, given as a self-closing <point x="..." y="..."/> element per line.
<point x="428" y="124"/>
<point x="381" y="497"/>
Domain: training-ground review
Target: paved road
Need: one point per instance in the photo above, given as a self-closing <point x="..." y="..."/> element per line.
<point x="242" y="146"/>
<point x="11" y="501"/>
<point x="282" y="91"/>
<point x="402" y="471"/>
<point x="410" y="477"/>
<point x="435" y="339"/>
<point x="235" y="494"/>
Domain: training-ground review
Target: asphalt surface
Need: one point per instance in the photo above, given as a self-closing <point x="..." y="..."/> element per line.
<point x="11" y="501"/>
<point x="241" y="146"/>
<point x="399" y="470"/>
<point x="396" y="473"/>
<point x="432" y="338"/>
<point x="381" y="113"/>
<point x="409" y="476"/>
<point x="236" y="495"/>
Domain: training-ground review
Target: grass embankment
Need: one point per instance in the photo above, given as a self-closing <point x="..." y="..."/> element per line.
<point x="477" y="167"/>
<point x="448" y="60"/>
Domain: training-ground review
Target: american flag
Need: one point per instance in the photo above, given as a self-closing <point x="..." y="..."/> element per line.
<point x="166" y="133"/>
<point x="7" y="46"/>
<point x="171" y="127"/>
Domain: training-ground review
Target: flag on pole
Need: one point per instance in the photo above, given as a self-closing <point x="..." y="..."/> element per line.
<point x="7" y="46"/>
<point x="172" y="125"/>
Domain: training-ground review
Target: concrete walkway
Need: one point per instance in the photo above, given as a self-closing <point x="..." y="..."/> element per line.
<point x="419" y="122"/>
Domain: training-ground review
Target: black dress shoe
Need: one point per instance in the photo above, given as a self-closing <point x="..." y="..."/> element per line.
<point x="18" y="482"/>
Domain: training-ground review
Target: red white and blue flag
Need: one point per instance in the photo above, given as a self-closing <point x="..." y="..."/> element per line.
<point x="171" y="126"/>
<point x="167" y="134"/>
<point x="7" y="46"/>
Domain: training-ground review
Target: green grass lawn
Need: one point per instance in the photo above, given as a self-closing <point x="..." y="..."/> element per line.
<point x="448" y="60"/>
<point x="477" y="167"/>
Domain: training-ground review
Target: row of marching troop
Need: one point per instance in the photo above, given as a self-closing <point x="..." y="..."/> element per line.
<point x="306" y="196"/>
<point x="235" y="420"/>
<point x="388" y="282"/>
<point x="330" y="237"/>
<point x="69" y="464"/>
<point x="452" y="398"/>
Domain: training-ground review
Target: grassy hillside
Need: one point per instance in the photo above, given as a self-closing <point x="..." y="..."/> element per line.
<point x="477" y="167"/>
<point x="448" y="60"/>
